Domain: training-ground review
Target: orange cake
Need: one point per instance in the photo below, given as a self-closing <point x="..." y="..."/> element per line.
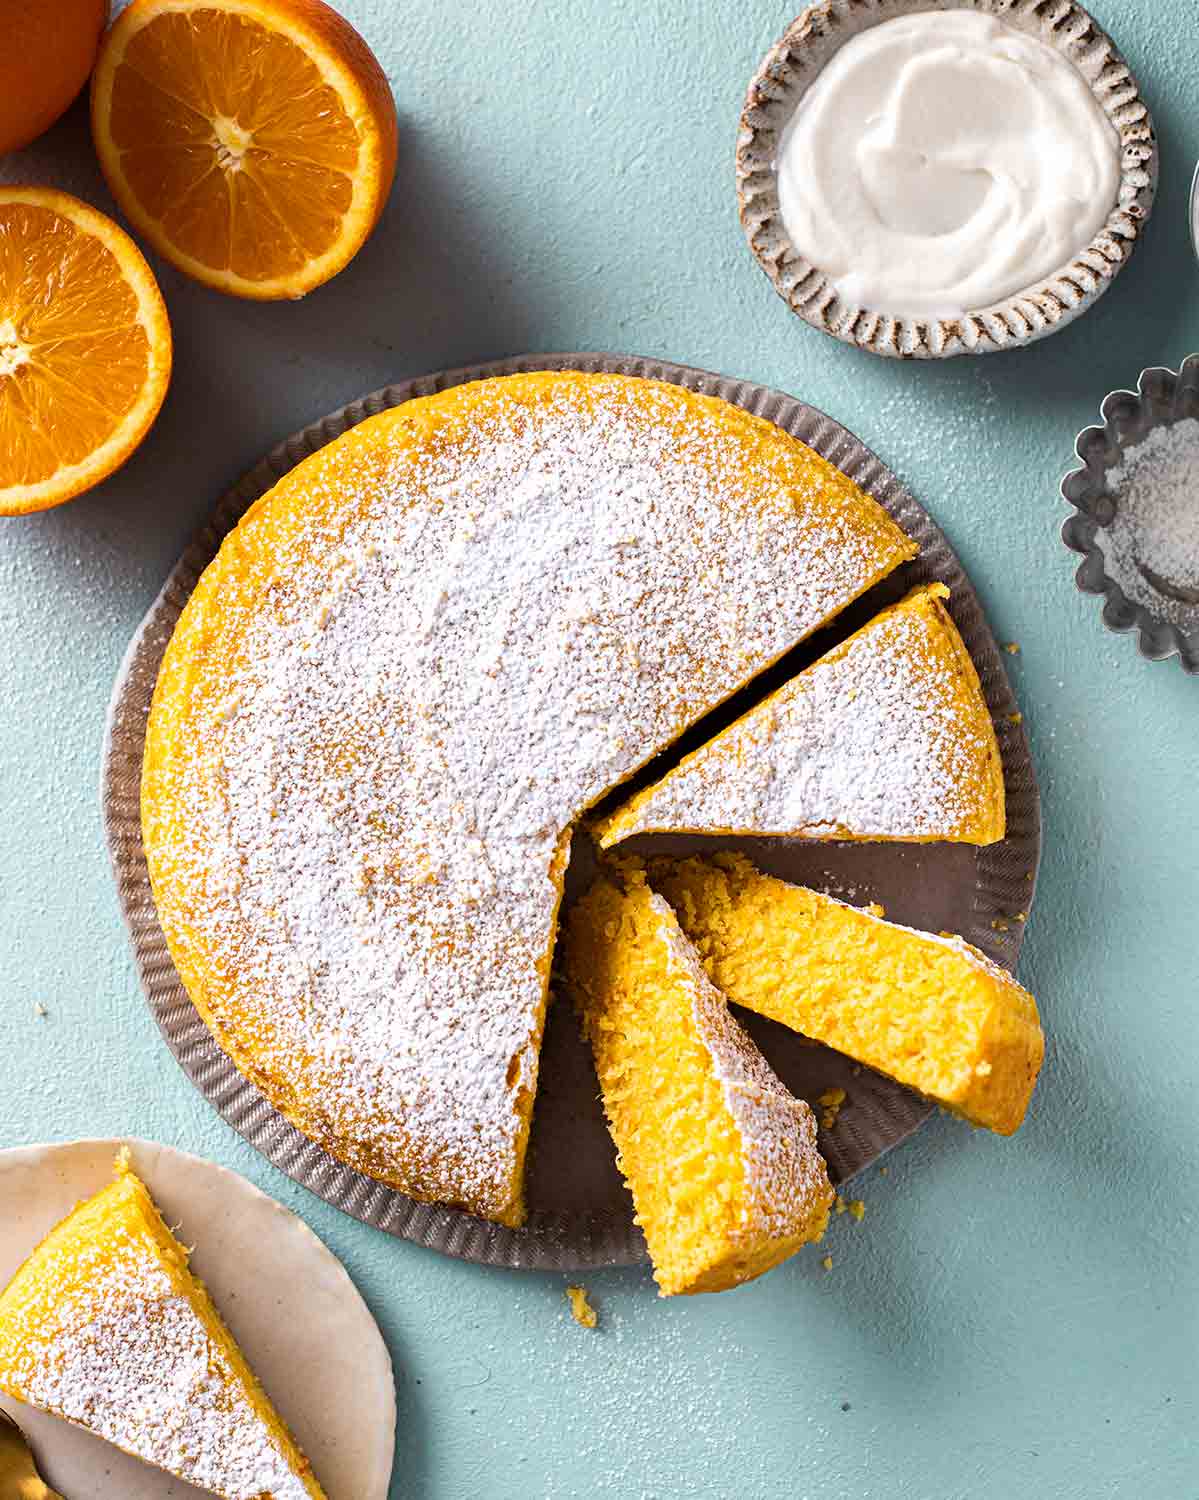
<point x="413" y="665"/>
<point x="105" y="1325"/>
<point x="931" y="1012"/>
<point x="721" y="1160"/>
<point x="886" y="737"/>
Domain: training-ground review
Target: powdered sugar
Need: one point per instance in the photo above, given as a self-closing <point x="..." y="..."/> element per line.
<point x="128" y="1358"/>
<point x="874" y="741"/>
<point x="362" y="772"/>
<point x="1151" y="547"/>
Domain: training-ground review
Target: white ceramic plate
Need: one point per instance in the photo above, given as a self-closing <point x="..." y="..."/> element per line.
<point x="290" y="1304"/>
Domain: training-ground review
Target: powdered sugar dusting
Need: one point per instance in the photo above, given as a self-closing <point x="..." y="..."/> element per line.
<point x="1151" y="548"/>
<point x="481" y="627"/>
<point x="128" y="1358"/>
<point x="787" y="1176"/>
<point x="872" y="741"/>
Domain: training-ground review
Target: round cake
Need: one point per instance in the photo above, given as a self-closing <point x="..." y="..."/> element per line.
<point x="411" y="669"/>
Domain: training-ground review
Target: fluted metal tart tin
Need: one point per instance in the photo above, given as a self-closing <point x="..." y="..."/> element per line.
<point x="788" y="71"/>
<point x="580" y="1214"/>
<point x="1162" y="397"/>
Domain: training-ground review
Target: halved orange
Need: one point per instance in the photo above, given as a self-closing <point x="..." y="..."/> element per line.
<point x="85" y="348"/>
<point x="251" y="142"/>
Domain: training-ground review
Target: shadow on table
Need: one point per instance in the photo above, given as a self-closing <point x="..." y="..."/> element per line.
<point x="432" y="288"/>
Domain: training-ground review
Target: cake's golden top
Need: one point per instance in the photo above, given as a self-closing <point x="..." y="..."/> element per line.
<point x="888" y="736"/>
<point x="105" y="1325"/>
<point x="721" y="1160"/>
<point x="413" y="665"/>
<point x="930" y="1011"/>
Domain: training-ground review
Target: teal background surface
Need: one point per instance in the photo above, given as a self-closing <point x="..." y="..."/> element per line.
<point x="1012" y="1317"/>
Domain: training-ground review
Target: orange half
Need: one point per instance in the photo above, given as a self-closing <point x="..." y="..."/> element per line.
<point x="251" y="142"/>
<point x="85" y="348"/>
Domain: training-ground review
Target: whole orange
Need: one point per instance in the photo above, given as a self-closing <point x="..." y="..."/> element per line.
<point x="47" y="48"/>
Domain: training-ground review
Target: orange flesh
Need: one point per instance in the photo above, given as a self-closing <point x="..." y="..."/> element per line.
<point x="231" y="139"/>
<point x="74" y="357"/>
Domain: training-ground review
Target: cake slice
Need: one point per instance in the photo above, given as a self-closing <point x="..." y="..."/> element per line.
<point x="931" y="1012"/>
<point x="721" y="1160"/>
<point x="888" y="736"/>
<point x="105" y="1325"/>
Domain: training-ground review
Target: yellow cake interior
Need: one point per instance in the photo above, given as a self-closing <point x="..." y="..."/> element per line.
<point x="931" y="1012"/>
<point x="106" y="1326"/>
<point x="720" y="1159"/>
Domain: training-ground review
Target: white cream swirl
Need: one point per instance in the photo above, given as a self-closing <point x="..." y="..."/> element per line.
<point x="944" y="161"/>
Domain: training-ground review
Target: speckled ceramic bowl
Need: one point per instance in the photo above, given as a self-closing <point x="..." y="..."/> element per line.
<point x="1161" y="398"/>
<point x="789" y="70"/>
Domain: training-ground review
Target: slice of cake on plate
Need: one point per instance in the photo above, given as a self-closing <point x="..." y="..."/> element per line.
<point x="106" y="1326"/>
<point x="721" y="1160"/>
<point x="888" y="736"/>
<point x="932" y="1012"/>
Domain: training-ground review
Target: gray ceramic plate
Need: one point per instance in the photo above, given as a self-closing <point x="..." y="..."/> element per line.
<point x="788" y="71"/>
<point x="580" y="1214"/>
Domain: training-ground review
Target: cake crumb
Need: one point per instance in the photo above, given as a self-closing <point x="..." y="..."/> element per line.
<point x="40" y="1010"/>
<point x="883" y="1171"/>
<point x="827" y="1262"/>
<point x="1000" y="924"/>
<point x="877" y="909"/>
<point x="1016" y="718"/>
<point x="581" y="1309"/>
<point x="1021" y="916"/>
<point x="1012" y="648"/>
<point x="830" y="1103"/>
<point x="857" y="1209"/>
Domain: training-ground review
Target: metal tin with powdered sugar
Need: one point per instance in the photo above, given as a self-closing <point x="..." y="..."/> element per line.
<point x="790" y="68"/>
<point x="580" y="1214"/>
<point x="1163" y="397"/>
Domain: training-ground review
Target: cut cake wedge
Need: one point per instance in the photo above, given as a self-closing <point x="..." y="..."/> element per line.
<point x="105" y="1326"/>
<point x="932" y="1012"/>
<point x="887" y="737"/>
<point x="721" y="1160"/>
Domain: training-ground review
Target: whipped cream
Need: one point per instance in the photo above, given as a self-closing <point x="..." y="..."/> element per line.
<point x="943" y="162"/>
